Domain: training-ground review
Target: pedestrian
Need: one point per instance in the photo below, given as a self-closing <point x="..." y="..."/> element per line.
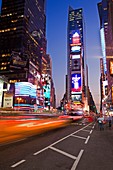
<point x="110" y="121"/>
<point x="100" y="123"/>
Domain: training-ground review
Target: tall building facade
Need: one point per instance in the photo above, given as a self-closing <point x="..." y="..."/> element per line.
<point x="105" y="9"/>
<point x="19" y="20"/>
<point x="23" y="42"/>
<point x="75" y="56"/>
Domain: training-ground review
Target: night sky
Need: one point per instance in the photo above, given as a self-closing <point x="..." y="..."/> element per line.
<point x="56" y="33"/>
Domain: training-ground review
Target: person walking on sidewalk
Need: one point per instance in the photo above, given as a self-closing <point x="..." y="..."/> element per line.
<point x="100" y="123"/>
<point x="110" y="121"/>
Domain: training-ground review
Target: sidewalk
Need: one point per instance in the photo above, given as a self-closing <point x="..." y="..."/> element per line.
<point x="98" y="154"/>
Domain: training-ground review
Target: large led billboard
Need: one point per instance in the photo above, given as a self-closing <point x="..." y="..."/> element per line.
<point x="47" y="91"/>
<point x="102" y="37"/>
<point x="75" y="49"/>
<point x="76" y="97"/>
<point x="75" y="56"/>
<point x="25" y="89"/>
<point x="74" y="37"/>
<point x="76" y="83"/>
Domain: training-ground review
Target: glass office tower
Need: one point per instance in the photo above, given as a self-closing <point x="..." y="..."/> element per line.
<point x="22" y="36"/>
<point x="22" y="41"/>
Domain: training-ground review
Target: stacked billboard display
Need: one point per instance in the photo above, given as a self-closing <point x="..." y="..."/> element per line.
<point x="46" y="83"/>
<point x="75" y="58"/>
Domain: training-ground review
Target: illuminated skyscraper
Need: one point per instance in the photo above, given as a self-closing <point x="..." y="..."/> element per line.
<point x="23" y="42"/>
<point x="105" y="9"/>
<point x="22" y="36"/>
<point x="75" y="55"/>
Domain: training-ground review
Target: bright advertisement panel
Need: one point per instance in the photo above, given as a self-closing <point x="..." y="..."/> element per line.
<point x="76" y="49"/>
<point x="22" y="88"/>
<point x="75" y="37"/>
<point x="25" y="89"/>
<point x="111" y="67"/>
<point x="75" y="64"/>
<point x="47" y="91"/>
<point x="75" y="56"/>
<point x="1" y="92"/>
<point x="76" y="83"/>
<point x="102" y="37"/>
<point x="76" y="97"/>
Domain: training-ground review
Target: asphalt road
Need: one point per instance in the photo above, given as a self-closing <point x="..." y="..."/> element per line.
<point x="80" y="147"/>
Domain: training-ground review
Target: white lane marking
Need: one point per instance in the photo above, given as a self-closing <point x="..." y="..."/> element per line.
<point x="85" y="130"/>
<point x="91" y="131"/>
<point x="78" y="136"/>
<point x="93" y="127"/>
<point x="36" y="153"/>
<point x="77" y="160"/>
<point x="18" y="163"/>
<point x="87" y="140"/>
<point x="62" y="152"/>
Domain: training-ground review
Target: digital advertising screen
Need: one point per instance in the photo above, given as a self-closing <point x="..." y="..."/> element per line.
<point x="22" y="88"/>
<point x="75" y="56"/>
<point x="111" y="67"/>
<point x="75" y="49"/>
<point x="75" y="37"/>
<point x="76" y="64"/>
<point x="25" y="89"/>
<point x="76" y="83"/>
<point x="76" y="97"/>
<point x="102" y="37"/>
<point x="47" y="91"/>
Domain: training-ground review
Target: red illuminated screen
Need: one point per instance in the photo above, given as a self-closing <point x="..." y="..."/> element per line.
<point x="111" y="67"/>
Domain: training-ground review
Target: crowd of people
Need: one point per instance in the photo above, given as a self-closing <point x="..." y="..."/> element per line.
<point x="105" y="120"/>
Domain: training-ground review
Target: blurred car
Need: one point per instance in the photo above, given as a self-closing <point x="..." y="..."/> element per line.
<point x="73" y="115"/>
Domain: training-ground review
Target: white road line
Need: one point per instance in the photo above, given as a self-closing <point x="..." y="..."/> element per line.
<point x="87" y="140"/>
<point x="64" y="153"/>
<point x="85" y="130"/>
<point x="91" y="131"/>
<point x="93" y="127"/>
<point x="36" y="153"/>
<point x="18" y="163"/>
<point x="77" y="160"/>
<point x="78" y="137"/>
